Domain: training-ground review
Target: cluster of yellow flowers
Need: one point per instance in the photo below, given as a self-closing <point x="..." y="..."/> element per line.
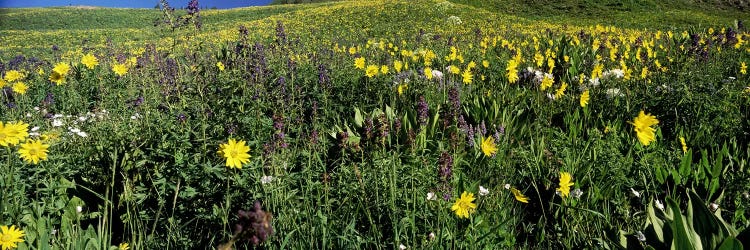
<point x="16" y="76"/>
<point x="13" y="133"/>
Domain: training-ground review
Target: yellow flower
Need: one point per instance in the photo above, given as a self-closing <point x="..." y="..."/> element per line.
<point x="519" y="196"/>
<point x="643" y="127"/>
<point x="485" y="63"/>
<point x="512" y="71"/>
<point x="467" y="76"/>
<point x="236" y="153"/>
<point x="120" y="69"/>
<point x="597" y="71"/>
<point x="384" y="69"/>
<point x="454" y="70"/>
<point x="371" y="71"/>
<point x="33" y="151"/>
<point x="2" y="83"/>
<point x="10" y="236"/>
<point x="684" y="145"/>
<point x="57" y="78"/>
<point x="221" y="68"/>
<point x="359" y="62"/>
<point x="61" y="68"/>
<point x="20" y="88"/>
<point x="743" y="68"/>
<point x="397" y="65"/>
<point x="561" y="91"/>
<point x="464" y="206"/>
<point x="90" y="61"/>
<point x="12" y="133"/>
<point x="644" y="73"/>
<point x="40" y="71"/>
<point x="123" y="246"/>
<point x="402" y="88"/>
<point x="352" y="50"/>
<point x="13" y="75"/>
<point x="547" y="82"/>
<point x="585" y="98"/>
<point x="488" y="146"/>
<point x="428" y="73"/>
<point x="565" y="184"/>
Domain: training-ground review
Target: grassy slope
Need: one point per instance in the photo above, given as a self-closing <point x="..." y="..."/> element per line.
<point x="27" y="30"/>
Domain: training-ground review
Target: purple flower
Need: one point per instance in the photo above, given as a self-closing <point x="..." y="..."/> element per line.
<point x="423" y="111"/>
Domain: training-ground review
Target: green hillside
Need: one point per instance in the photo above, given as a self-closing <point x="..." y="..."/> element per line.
<point x="384" y="124"/>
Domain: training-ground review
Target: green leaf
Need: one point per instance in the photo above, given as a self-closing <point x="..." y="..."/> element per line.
<point x="684" y="236"/>
<point x="358" y="118"/>
<point x="731" y="244"/>
<point x="705" y="224"/>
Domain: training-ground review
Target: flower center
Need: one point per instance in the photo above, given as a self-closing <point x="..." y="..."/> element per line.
<point x="6" y="238"/>
<point x="233" y="153"/>
<point x="32" y="151"/>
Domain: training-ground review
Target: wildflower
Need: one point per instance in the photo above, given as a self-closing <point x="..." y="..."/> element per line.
<point x="2" y="83"/>
<point x="401" y="247"/>
<point x="506" y="186"/>
<point x="561" y="91"/>
<point x="120" y="69"/>
<point x="13" y="133"/>
<point x="431" y="196"/>
<point x="20" y="88"/>
<point x="371" y="71"/>
<point x="402" y="88"/>
<point x="454" y="70"/>
<point x="437" y="75"/>
<point x="13" y="75"/>
<point x="644" y="73"/>
<point x="61" y="68"/>
<point x="235" y="152"/>
<point x="635" y="193"/>
<point x="428" y="73"/>
<point x="512" y="71"/>
<point x="643" y="127"/>
<point x="33" y="151"/>
<point x="90" y="61"/>
<point x="397" y="65"/>
<point x="79" y="209"/>
<point x="713" y="206"/>
<point x="123" y="246"/>
<point x="384" y="69"/>
<point x="576" y="193"/>
<point x="483" y="191"/>
<point x="684" y="145"/>
<point x="488" y="146"/>
<point x="266" y="179"/>
<point x="519" y="196"/>
<point x="57" y="78"/>
<point x="431" y="236"/>
<point x="585" y="98"/>
<point x="743" y="68"/>
<point x="10" y="236"/>
<point x="464" y="206"/>
<point x="659" y="205"/>
<point x="352" y="50"/>
<point x="220" y="66"/>
<point x="547" y="82"/>
<point x="597" y="71"/>
<point x="485" y="63"/>
<point x="640" y="236"/>
<point x="467" y="77"/>
<point x="565" y="184"/>
<point x="359" y="62"/>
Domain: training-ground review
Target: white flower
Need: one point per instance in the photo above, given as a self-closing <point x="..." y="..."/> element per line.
<point x="640" y="236"/>
<point x="79" y="209"/>
<point x="614" y="92"/>
<point x="57" y="123"/>
<point x="437" y="75"/>
<point x="507" y="186"/>
<point x="82" y="118"/>
<point x="34" y="134"/>
<point x="454" y="20"/>
<point x="401" y="246"/>
<point x="266" y="179"/>
<point x="616" y="73"/>
<point x="714" y="206"/>
<point x="594" y="82"/>
<point x="576" y="193"/>
<point x="34" y="129"/>
<point x="57" y="116"/>
<point x="483" y="191"/>
<point x="431" y="196"/>
<point x="136" y="116"/>
<point x="28" y="115"/>
<point x="82" y="134"/>
<point x="659" y="205"/>
<point x="36" y="108"/>
<point x="74" y="130"/>
<point x="635" y="193"/>
<point x="431" y="236"/>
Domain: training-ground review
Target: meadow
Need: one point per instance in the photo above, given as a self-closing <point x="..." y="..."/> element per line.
<point x="425" y="124"/>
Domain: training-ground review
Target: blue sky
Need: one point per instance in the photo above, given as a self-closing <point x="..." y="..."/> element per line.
<point x="222" y="4"/>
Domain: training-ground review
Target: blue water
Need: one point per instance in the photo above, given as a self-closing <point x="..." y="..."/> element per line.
<point x="221" y="4"/>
